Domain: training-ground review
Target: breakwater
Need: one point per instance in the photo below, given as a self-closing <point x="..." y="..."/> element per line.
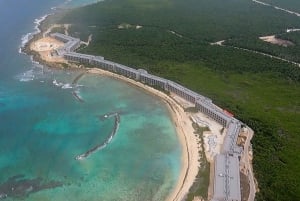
<point x="75" y="93"/>
<point x="77" y="97"/>
<point x="108" y="139"/>
<point x="77" y="78"/>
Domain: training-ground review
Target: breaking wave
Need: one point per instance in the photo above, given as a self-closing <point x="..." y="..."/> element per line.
<point x="36" y="72"/>
<point x="66" y="85"/>
<point x="26" y="76"/>
<point x="27" y="37"/>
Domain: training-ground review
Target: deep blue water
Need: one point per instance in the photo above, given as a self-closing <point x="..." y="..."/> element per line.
<point x="43" y="127"/>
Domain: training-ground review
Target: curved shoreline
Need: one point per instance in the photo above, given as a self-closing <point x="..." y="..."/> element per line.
<point x="183" y="125"/>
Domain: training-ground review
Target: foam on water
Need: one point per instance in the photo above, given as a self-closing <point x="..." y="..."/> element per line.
<point x="27" y="37"/>
<point x="25" y="77"/>
<point x="78" y="3"/>
<point x="57" y="84"/>
<point x="36" y="72"/>
<point x="67" y="86"/>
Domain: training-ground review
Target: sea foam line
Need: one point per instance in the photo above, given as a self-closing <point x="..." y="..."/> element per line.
<point x="27" y="37"/>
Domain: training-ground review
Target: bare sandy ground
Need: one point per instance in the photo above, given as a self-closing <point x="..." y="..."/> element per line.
<point x="218" y="43"/>
<point x="45" y="46"/>
<point x="277" y="41"/>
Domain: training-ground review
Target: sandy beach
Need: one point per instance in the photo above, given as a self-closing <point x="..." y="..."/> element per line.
<point x="185" y="132"/>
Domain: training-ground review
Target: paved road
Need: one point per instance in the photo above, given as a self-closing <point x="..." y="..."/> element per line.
<point x="264" y="54"/>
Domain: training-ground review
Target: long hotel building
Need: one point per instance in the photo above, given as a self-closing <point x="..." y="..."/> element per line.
<point x="153" y="80"/>
<point x="226" y="177"/>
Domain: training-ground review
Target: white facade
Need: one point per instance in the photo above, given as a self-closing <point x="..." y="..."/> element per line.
<point x="103" y="64"/>
<point x="211" y="111"/>
<point x="153" y="80"/>
<point x="126" y="71"/>
<point x="183" y="92"/>
<point x="82" y="58"/>
<point x="62" y="37"/>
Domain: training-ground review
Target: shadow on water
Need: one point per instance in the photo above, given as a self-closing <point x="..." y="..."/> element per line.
<point x="20" y="187"/>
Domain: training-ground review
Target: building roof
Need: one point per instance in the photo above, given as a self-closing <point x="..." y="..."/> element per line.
<point x="126" y="68"/>
<point x="186" y="90"/>
<point x="75" y="54"/>
<point x="233" y="131"/>
<point x="227" y="178"/>
<point x="63" y="36"/>
<point x="210" y="106"/>
<point x="71" y="43"/>
<point x="99" y="58"/>
<point x="154" y="77"/>
<point x="142" y="71"/>
<point x="103" y="61"/>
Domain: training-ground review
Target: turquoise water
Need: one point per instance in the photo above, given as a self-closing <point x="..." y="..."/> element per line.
<point x="43" y="128"/>
<point x="78" y="3"/>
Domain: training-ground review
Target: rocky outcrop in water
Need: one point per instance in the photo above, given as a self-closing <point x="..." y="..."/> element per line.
<point x="108" y="139"/>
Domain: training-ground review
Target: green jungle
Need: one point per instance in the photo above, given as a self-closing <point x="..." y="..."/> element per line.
<point x="172" y="39"/>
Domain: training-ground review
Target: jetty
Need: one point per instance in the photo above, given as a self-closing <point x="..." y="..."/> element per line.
<point x="77" y="97"/>
<point x="108" y="139"/>
<point x="75" y="93"/>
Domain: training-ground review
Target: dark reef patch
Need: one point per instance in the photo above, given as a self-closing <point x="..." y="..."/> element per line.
<point x="20" y="187"/>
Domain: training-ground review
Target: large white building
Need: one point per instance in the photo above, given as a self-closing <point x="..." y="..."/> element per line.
<point x="103" y="64"/>
<point x="71" y="44"/>
<point x="227" y="174"/>
<point x="77" y="57"/>
<point x="126" y="71"/>
<point x="213" y="112"/>
<point x="153" y="80"/>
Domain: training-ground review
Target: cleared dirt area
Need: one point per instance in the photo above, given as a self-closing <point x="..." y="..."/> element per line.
<point x="276" y="41"/>
<point x="45" y="48"/>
